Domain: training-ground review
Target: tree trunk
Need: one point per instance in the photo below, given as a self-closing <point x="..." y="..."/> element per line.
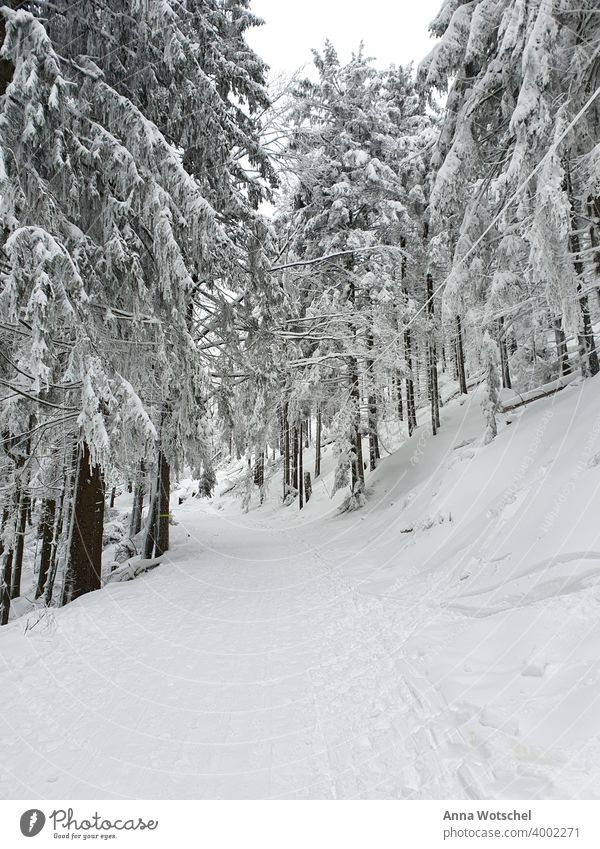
<point x="85" y="550"/>
<point x="432" y="356"/>
<point x="460" y="357"/>
<point x="300" y="469"/>
<point x="594" y="216"/>
<point x="151" y="526"/>
<point x="374" y="454"/>
<point x="564" y="365"/>
<point x="358" y="470"/>
<point x="397" y="378"/>
<point x="5" y="576"/>
<point x="307" y="486"/>
<point x="46" y="535"/>
<point x="5" y="582"/>
<point x="163" y="501"/>
<point x="135" y="525"/>
<point x="286" y="452"/>
<point x="411" y="410"/>
<point x="399" y="405"/>
<point x="294" y="459"/>
<point x="6" y="66"/>
<point x="280" y="436"/>
<point x="57" y="531"/>
<point x="587" y="344"/>
<point x="259" y="467"/>
<point x="506" y="382"/>
<point x="17" y="564"/>
<point x="318" y="444"/>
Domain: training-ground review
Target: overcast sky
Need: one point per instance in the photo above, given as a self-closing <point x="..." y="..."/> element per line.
<point x="392" y="30"/>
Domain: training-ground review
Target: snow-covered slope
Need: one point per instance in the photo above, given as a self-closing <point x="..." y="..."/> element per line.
<point x="441" y="642"/>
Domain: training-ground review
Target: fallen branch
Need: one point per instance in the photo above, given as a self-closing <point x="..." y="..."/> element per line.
<point x="132" y="568"/>
<point x="537" y="394"/>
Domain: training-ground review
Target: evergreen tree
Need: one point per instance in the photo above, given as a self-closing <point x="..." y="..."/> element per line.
<point x="512" y="192"/>
<point x="358" y="194"/>
<point x="130" y="174"/>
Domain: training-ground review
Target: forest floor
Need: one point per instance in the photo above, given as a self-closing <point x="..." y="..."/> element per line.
<point x="442" y="642"/>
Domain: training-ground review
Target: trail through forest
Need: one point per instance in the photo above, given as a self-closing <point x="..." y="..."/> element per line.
<point x="279" y="654"/>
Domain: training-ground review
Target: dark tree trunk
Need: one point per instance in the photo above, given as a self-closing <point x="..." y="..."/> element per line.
<point x="307" y="486"/>
<point x="5" y="515"/>
<point x="294" y="459"/>
<point x="135" y="525"/>
<point x="46" y="536"/>
<point x="318" y="444"/>
<point x="286" y="452"/>
<point x="300" y="469"/>
<point x="5" y="574"/>
<point x="431" y="370"/>
<point x="358" y="470"/>
<point x="113" y="494"/>
<point x="432" y="356"/>
<point x="280" y="433"/>
<point x="460" y="357"/>
<point x="6" y="66"/>
<point x="85" y="551"/>
<point x="17" y="564"/>
<point x="454" y="349"/>
<point x="374" y="454"/>
<point x="506" y="382"/>
<point x="594" y="216"/>
<point x="164" y="498"/>
<point x="5" y="582"/>
<point x="397" y="378"/>
<point x="411" y="409"/>
<point x="259" y="473"/>
<point x="399" y="405"/>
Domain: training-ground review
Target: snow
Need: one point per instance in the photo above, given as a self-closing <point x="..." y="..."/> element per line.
<point x="443" y="642"/>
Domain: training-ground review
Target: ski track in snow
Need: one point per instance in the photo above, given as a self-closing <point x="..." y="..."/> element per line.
<point x="321" y="705"/>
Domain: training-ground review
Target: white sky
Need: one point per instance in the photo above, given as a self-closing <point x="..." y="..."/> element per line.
<point x="392" y="30"/>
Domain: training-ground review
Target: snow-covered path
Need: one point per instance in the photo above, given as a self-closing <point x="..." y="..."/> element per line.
<point x="443" y="642"/>
<point x="222" y="676"/>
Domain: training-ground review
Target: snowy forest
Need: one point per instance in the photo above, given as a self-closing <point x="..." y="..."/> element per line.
<point x="336" y="315"/>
